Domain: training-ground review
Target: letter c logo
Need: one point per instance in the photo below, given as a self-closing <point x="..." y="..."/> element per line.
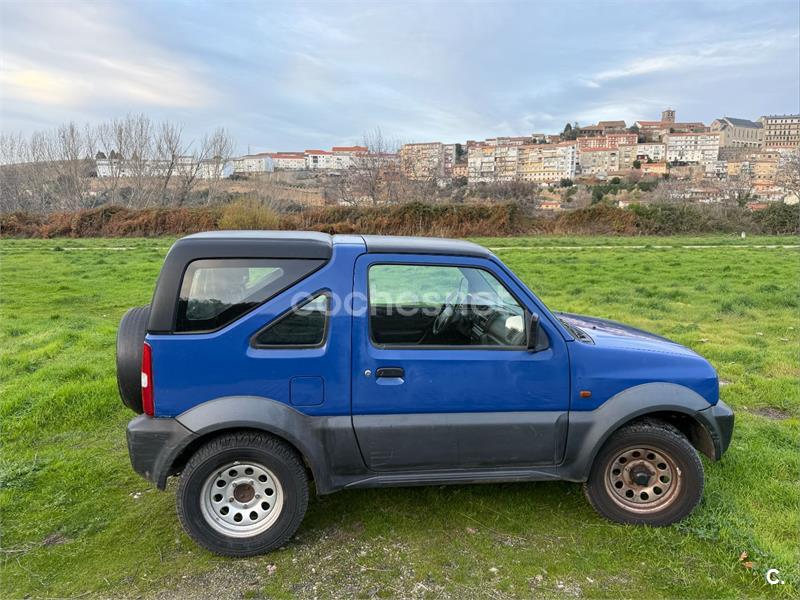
<point x="772" y="577"/>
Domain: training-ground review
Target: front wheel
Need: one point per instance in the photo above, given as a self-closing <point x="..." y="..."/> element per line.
<point x="647" y="473"/>
<point x="243" y="494"/>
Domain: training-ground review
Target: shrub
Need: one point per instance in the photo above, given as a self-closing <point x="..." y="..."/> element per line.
<point x="417" y="218"/>
<point x="248" y="214"/>
<point x="779" y="218"/>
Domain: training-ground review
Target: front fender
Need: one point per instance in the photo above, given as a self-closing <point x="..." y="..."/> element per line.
<point x="327" y="443"/>
<point x="589" y="430"/>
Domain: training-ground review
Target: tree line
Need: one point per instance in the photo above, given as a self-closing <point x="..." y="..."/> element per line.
<point x="146" y="163"/>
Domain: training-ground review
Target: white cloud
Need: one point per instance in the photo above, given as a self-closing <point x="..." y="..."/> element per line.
<point x="747" y="51"/>
<point x="83" y="56"/>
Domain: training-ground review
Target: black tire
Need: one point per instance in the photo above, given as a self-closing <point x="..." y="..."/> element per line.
<point x="606" y="488"/>
<point x="130" y="337"/>
<point x="243" y="447"/>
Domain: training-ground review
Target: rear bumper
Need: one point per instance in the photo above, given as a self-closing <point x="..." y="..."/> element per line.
<point x="719" y="421"/>
<point x="153" y="445"/>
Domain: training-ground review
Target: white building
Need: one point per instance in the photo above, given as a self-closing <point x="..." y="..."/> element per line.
<point x="112" y="167"/>
<point x="134" y="167"/>
<point x="717" y="169"/>
<point x="253" y="163"/>
<point x="214" y="168"/>
<point x="288" y="161"/>
<point x="320" y="160"/>
<point x="480" y="163"/>
<point x="345" y="156"/>
<point x="701" y="148"/>
<point x="655" y="152"/>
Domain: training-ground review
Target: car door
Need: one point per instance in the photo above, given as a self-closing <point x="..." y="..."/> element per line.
<point x="453" y="396"/>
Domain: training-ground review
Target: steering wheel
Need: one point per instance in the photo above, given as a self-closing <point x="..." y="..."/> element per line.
<point x="447" y="314"/>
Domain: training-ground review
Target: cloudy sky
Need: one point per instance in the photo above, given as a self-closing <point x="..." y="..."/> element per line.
<point x="284" y="76"/>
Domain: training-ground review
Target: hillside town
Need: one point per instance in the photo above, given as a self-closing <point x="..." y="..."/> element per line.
<point x="138" y="163"/>
<point x="728" y="148"/>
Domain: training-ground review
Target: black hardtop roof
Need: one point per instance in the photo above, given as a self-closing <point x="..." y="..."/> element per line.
<point x="312" y="244"/>
<point x="274" y="244"/>
<point x="391" y="244"/>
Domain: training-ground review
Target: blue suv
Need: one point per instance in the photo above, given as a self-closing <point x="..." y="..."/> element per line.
<point x="270" y="360"/>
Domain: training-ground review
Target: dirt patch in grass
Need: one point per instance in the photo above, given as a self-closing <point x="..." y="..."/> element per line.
<point x="774" y="414"/>
<point x="54" y="539"/>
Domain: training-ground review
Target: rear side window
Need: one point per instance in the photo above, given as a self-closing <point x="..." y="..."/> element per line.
<point x="303" y="326"/>
<point x="215" y="292"/>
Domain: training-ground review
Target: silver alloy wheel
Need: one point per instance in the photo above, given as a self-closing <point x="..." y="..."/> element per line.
<point x="643" y="480"/>
<point x="241" y="499"/>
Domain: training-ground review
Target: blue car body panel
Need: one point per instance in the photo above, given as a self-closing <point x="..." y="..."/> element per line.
<point x="190" y="369"/>
<point x="435" y="408"/>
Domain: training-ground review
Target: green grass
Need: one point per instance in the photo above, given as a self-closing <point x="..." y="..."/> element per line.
<point x="77" y="520"/>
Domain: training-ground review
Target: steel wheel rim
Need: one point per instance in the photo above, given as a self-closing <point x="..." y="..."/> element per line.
<point x="625" y="482"/>
<point x="241" y="499"/>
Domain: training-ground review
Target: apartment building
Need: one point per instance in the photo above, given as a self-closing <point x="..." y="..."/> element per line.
<point x="505" y="161"/>
<point x="653" y="151"/>
<point x="598" y="162"/>
<point x="344" y="156"/>
<point x="116" y="166"/>
<point x="610" y="140"/>
<point x="480" y="162"/>
<point x="320" y="160"/>
<point x="428" y="160"/>
<point x="648" y="151"/>
<point x="288" y="161"/>
<point x="702" y="148"/>
<point x="738" y="133"/>
<point x="253" y="163"/>
<point x="717" y="169"/>
<point x="764" y="167"/>
<point x="546" y="163"/>
<point x="781" y="131"/>
<point x="214" y="168"/>
<point x="460" y="170"/>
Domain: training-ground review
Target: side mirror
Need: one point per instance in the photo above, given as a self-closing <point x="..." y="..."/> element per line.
<point x="537" y="338"/>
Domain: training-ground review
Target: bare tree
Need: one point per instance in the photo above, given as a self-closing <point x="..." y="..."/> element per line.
<point x="218" y="150"/>
<point x="130" y="160"/>
<point x="738" y="189"/>
<point x="672" y="189"/>
<point x="113" y="144"/>
<point x="142" y="168"/>
<point x="169" y="147"/>
<point x="71" y="162"/>
<point x="788" y="173"/>
<point x="374" y="174"/>
<point x="13" y="163"/>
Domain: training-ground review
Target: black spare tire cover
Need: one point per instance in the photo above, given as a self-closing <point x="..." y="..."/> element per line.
<point x="130" y="337"/>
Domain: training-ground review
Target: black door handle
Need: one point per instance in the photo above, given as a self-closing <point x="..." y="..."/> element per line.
<point x="390" y="372"/>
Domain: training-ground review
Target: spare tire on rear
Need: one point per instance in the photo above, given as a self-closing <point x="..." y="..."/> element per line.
<point x="130" y="338"/>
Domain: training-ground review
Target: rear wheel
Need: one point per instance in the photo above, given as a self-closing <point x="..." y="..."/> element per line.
<point x="243" y="494"/>
<point x="647" y="473"/>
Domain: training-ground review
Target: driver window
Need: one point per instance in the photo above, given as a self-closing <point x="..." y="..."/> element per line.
<point x="436" y="305"/>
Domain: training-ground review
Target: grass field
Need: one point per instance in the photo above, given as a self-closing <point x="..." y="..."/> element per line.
<point x="77" y="521"/>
